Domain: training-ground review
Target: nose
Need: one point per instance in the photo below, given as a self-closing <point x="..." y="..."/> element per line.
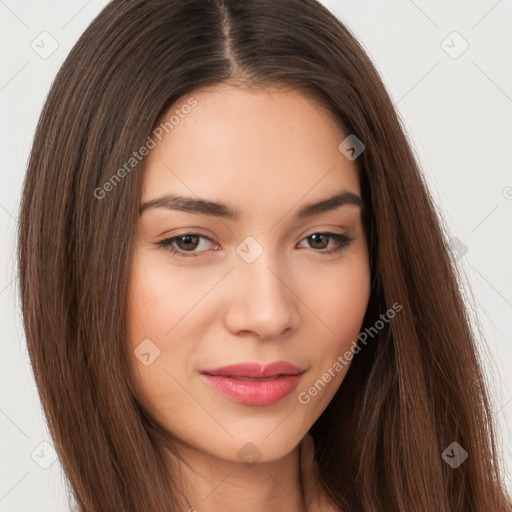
<point x="262" y="302"/>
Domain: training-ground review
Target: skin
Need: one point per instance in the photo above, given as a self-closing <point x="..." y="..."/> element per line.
<point x="265" y="154"/>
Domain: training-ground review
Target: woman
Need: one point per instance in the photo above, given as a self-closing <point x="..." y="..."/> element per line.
<point x="193" y="347"/>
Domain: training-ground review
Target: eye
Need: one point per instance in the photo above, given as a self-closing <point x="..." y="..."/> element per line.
<point x="318" y="239"/>
<point x="188" y="242"/>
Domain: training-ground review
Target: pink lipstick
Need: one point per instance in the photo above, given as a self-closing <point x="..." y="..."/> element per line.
<point x="254" y="384"/>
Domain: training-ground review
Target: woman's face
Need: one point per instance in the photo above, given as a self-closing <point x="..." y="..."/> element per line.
<point x="255" y="287"/>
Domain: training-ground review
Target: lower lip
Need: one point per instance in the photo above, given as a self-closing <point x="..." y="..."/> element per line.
<point x="254" y="392"/>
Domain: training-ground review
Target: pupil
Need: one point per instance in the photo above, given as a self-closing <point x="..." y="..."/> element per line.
<point x="315" y="237"/>
<point x="188" y="239"/>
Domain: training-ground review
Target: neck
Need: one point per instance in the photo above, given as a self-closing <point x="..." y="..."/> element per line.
<point x="211" y="484"/>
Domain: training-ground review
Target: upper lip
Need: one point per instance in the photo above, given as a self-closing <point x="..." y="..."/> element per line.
<point x="255" y="370"/>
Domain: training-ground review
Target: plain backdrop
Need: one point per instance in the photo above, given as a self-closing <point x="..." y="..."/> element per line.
<point x="448" y="69"/>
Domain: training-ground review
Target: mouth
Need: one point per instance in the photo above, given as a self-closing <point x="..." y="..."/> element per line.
<point x="252" y="384"/>
<point x="255" y="370"/>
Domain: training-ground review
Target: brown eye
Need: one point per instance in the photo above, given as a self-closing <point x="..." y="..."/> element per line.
<point x="320" y="241"/>
<point x="184" y="245"/>
<point x="187" y="242"/>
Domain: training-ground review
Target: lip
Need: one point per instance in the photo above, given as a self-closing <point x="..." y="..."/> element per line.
<point x="255" y="370"/>
<point x="254" y="384"/>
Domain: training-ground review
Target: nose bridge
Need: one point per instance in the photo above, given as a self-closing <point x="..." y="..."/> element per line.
<point x="263" y="302"/>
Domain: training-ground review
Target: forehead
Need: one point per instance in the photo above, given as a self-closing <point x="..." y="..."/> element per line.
<point x="238" y="144"/>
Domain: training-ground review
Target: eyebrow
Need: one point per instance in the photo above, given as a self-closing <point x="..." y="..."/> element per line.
<point x="205" y="207"/>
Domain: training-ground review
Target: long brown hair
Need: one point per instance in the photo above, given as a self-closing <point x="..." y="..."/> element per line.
<point x="413" y="390"/>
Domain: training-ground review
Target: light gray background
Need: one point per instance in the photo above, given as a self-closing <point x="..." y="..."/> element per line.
<point x="457" y="114"/>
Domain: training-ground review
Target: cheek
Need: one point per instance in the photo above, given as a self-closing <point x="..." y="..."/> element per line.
<point x="164" y="306"/>
<point x="345" y="312"/>
<point x="155" y="304"/>
<point x="161" y="297"/>
<point x="339" y="300"/>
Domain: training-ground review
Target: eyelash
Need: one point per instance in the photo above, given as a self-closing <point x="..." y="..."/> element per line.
<point x="343" y="240"/>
